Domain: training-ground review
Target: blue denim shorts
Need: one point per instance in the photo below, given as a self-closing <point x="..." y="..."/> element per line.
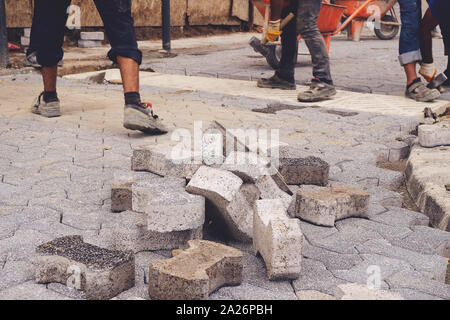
<point x="411" y="15"/>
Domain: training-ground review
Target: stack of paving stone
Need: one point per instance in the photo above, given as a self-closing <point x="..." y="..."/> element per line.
<point x="25" y="39"/>
<point x="91" y="39"/>
<point x="161" y="203"/>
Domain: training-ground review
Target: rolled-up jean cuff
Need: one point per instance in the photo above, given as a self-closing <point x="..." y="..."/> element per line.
<point x="134" y="54"/>
<point x="410" y="57"/>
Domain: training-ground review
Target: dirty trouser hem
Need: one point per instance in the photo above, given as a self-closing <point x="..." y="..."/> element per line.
<point x="410" y="57"/>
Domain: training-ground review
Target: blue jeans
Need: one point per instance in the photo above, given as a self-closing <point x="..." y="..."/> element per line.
<point x="411" y="15"/>
<point x="49" y="20"/>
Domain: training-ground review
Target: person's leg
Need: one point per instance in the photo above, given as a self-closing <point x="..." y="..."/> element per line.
<point x="284" y="76"/>
<point x="409" y="49"/>
<point x="47" y="39"/>
<point x="427" y="68"/>
<point x="322" y="86"/>
<point x="118" y="21"/>
<point x="445" y="29"/>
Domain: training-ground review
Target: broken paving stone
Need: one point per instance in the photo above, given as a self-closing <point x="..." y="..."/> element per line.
<point x="143" y="192"/>
<point x="223" y="189"/>
<point x="278" y="239"/>
<point x="435" y="135"/>
<point x="121" y="188"/>
<point x="100" y="273"/>
<point x="310" y="170"/>
<point x="354" y="291"/>
<point x="250" y="166"/>
<point x="196" y="272"/>
<point x="325" y="205"/>
<point x="269" y="189"/>
<point x="165" y="160"/>
<point x="130" y="231"/>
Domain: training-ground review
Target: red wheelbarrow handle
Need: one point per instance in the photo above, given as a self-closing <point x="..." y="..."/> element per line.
<point x="349" y="19"/>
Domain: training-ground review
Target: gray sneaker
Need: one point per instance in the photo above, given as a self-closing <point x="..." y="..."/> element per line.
<point x="275" y="82"/>
<point x="141" y="117"/>
<point x="49" y="109"/>
<point x="419" y="92"/>
<point x="318" y="91"/>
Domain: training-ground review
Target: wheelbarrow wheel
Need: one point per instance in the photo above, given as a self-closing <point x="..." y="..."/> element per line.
<point x="387" y="32"/>
<point x="273" y="56"/>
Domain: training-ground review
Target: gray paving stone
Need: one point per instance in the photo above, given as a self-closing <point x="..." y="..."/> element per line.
<point x="315" y="276"/>
<point x="364" y="175"/>
<point x="160" y="160"/>
<point x="15" y="272"/>
<point x="401" y="217"/>
<point x="30" y="291"/>
<point x="417" y="281"/>
<point x="386" y="231"/>
<point x="64" y="290"/>
<point x="143" y="192"/>
<point x="427" y="241"/>
<point x="121" y="192"/>
<point x="21" y="247"/>
<point x="102" y="273"/>
<point x="410" y="294"/>
<point x="331" y="260"/>
<point x="431" y="266"/>
<point x="250" y="292"/>
<point x="326" y="205"/>
<point x="278" y="239"/>
<point x="362" y="272"/>
<point x="195" y="272"/>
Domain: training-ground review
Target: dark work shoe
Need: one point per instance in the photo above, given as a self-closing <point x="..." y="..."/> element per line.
<point x="48" y="109"/>
<point x="141" y="117"/>
<point x="318" y="91"/>
<point x="276" y="82"/>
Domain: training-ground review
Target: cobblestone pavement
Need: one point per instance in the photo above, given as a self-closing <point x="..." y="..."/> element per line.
<point x="370" y="65"/>
<point x="56" y="174"/>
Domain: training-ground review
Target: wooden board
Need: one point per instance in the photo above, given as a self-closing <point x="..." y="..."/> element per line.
<point x="145" y="12"/>
<point x="18" y="13"/>
<point x="240" y="9"/>
<point x="214" y="12"/>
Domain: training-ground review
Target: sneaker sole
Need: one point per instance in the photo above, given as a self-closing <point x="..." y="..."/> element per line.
<point x="50" y="110"/>
<point x="317" y="99"/>
<point x="276" y="87"/>
<point x="430" y="98"/>
<point x="136" y="120"/>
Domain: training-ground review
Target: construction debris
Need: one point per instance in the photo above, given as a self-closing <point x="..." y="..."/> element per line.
<point x="223" y="189"/>
<point x="100" y="273"/>
<point x="435" y="135"/>
<point x="164" y="161"/>
<point x="194" y="273"/>
<point x="278" y="239"/>
<point x="325" y="205"/>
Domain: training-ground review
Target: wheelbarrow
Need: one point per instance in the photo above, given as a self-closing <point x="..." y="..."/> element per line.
<point x="357" y="12"/>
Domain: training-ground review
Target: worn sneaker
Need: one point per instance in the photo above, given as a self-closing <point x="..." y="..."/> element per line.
<point x="419" y="92"/>
<point x="141" y="117"/>
<point x="31" y="61"/>
<point x="48" y="109"/>
<point x="318" y="91"/>
<point x="276" y="82"/>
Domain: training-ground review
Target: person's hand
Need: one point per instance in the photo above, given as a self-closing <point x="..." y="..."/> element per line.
<point x="273" y="30"/>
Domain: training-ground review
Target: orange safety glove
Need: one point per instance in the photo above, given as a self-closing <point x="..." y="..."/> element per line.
<point x="273" y="30"/>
